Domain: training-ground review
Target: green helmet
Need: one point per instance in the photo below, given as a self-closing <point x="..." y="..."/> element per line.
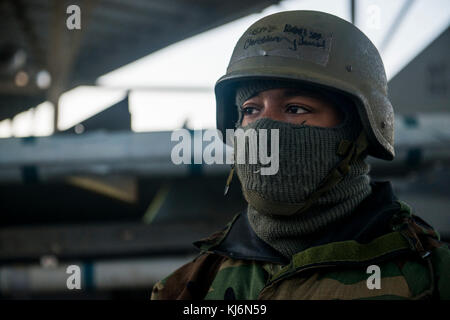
<point x="318" y="49"/>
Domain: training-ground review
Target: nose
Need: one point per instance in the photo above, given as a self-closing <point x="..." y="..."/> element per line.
<point x="272" y="110"/>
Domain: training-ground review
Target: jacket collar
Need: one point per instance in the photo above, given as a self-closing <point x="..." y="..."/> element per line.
<point x="370" y="220"/>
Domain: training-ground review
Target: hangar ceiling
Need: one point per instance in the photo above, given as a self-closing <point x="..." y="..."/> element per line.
<point x="36" y="42"/>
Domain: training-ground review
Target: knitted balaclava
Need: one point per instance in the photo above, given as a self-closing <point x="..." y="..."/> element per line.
<point x="307" y="154"/>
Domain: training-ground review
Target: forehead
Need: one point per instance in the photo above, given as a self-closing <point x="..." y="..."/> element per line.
<point x="291" y="92"/>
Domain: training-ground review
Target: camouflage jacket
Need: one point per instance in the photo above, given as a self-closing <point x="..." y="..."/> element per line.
<point x="235" y="264"/>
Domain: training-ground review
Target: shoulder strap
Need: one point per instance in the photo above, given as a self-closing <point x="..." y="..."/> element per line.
<point x="346" y="253"/>
<point x="422" y="239"/>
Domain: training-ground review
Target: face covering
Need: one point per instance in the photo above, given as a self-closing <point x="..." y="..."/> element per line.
<point x="285" y="209"/>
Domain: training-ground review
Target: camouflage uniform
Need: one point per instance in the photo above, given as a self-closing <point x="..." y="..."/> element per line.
<point x="235" y="264"/>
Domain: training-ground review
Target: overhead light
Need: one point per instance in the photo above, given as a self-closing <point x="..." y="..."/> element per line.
<point x="79" y="128"/>
<point x="21" y="79"/>
<point x="43" y="79"/>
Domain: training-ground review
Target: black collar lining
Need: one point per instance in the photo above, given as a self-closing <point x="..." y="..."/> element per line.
<point x="369" y="222"/>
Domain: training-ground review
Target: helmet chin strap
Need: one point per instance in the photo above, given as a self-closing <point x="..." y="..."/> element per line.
<point x="350" y="150"/>
<point x="230" y="177"/>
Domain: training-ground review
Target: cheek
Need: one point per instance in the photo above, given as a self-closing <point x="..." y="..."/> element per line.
<point x="330" y="119"/>
<point x="335" y="118"/>
<point x="244" y="122"/>
<point x="321" y="119"/>
<point x="326" y="117"/>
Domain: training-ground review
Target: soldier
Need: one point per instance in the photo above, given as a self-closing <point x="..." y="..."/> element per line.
<point x="318" y="228"/>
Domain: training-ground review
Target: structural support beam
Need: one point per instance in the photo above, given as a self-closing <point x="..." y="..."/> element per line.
<point x="65" y="47"/>
<point x="397" y="22"/>
<point x="353" y="11"/>
<point x="100" y="241"/>
<point x="189" y="89"/>
<point x="140" y="273"/>
<point x="56" y="58"/>
<point x="29" y="32"/>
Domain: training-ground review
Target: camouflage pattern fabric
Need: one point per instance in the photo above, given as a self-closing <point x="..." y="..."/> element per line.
<point x="414" y="264"/>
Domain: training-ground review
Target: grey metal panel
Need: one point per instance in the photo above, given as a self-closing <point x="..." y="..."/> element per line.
<point x="115" y="118"/>
<point x="85" y="148"/>
<point x="419" y="145"/>
<point x="96" y="153"/>
<point x="100" y="240"/>
<point x="424" y="84"/>
<point x="106" y="275"/>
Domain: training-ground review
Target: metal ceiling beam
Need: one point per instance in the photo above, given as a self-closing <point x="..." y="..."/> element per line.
<point x="65" y="47"/>
<point x="193" y="89"/>
<point x="105" y="49"/>
<point x="397" y="22"/>
<point x="28" y="243"/>
<point x="353" y="11"/>
<point x="172" y="7"/>
<point x="28" y="31"/>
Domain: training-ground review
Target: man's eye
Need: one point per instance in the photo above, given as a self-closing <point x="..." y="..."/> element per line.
<point x="297" y="109"/>
<point x="249" y="110"/>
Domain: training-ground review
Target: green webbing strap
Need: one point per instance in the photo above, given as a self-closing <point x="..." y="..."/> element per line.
<point x="350" y="151"/>
<point x="344" y="252"/>
<point x="230" y="177"/>
<point x="412" y="232"/>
